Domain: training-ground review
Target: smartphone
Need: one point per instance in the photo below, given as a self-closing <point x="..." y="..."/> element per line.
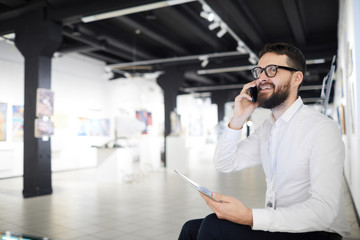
<point x="253" y="91"/>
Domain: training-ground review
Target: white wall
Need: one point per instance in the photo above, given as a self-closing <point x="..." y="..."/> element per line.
<point x="12" y="93"/>
<point x="80" y="91"/>
<point x="78" y="84"/>
<point x="347" y="90"/>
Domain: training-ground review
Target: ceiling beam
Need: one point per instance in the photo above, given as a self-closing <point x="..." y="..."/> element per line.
<point x="201" y="79"/>
<point x="229" y="77"/>
<point x="115" y="39"/>
<point x="102" y="57"/>
<point x="177" y="59"/>
<point x="7" y="26"/>
<point x="99" y="45"/>
<point x="13" y="3"/>
<point x="170" y="14"/>
<point x="154" y="35"/>
<point x="293" y="16"/>
<point x="76" y="47"/>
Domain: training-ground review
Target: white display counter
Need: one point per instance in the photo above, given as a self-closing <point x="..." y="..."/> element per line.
<point x="115" y="165"/>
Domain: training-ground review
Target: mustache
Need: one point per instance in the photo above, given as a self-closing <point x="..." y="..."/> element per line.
<point x="262" y="85"/>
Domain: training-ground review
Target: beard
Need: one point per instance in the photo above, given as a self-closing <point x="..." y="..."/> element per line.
<point x="277" y="98"/>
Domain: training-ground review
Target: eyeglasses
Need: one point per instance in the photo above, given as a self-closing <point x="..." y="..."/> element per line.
<point x="270" y="70"/>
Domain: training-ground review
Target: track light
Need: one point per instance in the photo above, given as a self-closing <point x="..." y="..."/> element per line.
<point x="214" y="25"/>
<point x="222" y="32"/>
<point x="205" y="63"/>
<point x="204" y="14"/>
<point x="241" y="47"/>
<point x="211" y="17"/>
<point x="205" y="60"/>
<point x="252" y="58"/>
<point x="218" y="22"/>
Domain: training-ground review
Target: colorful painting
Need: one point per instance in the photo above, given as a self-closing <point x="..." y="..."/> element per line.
<point x="99" y="127"/>
<point x="83" y="127"/>
<point x="3" y="121"/>
<point x="43" y="128"/>
<point x="44" y="102"/>
<point x="146" y="118"/>
<point x="93" y="127"/>
<point x="17" y="123"/>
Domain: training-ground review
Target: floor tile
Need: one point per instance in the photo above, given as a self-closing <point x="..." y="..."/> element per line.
<point x="153" y="207"/>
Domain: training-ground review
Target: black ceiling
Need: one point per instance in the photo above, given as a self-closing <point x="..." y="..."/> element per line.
<point x="177" y="36"/>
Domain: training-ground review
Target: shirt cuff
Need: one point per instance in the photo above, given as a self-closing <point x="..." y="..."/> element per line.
<point x="261" y="219"/>
<point x="232" y="134"/>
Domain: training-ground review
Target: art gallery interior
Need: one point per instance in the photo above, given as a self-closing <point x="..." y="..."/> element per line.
<point x="101" y="100"/>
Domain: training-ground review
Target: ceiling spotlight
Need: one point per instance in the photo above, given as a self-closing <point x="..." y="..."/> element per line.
<point x="211" y="17"/>
<point x="208" y="16"/>
<point x="205" y="62"/>
<point x="252" y="59"/>
<point x="204" y="15"/>
<point x="241" y="47"/>
<point x="222" y="32"/>
<point x="214" y="25"/>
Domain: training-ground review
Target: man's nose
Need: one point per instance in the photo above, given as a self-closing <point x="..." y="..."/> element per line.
<point x="262" y="78"/>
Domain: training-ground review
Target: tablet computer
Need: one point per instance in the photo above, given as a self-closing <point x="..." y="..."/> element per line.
<point x="198" y="187"/>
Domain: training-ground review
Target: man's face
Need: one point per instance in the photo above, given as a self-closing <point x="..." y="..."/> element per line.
<point x="274" y="91"/>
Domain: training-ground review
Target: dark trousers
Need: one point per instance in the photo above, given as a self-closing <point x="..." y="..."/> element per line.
<point x="211" y="228"/>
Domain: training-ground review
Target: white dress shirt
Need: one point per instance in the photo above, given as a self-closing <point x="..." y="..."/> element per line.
<point x="304" y="151"/>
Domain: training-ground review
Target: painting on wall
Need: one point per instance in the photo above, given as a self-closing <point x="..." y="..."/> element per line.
<point x="17" y="123"/>
<point x="44" y="102"/>
<point x="93" y="127"/>
<point x="99" y="127"/>
<point x="145" y="117"/>
<point x="83" y="128"/>
<point x="3" y="121"/>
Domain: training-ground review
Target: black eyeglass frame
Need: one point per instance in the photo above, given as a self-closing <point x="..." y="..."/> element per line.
<point x="271" y="65"/>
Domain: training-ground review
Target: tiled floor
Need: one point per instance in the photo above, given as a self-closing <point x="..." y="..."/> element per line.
<point x="153" y="207"/>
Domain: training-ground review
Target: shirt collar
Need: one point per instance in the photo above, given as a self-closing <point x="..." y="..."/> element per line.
<point x="289" y="113"/>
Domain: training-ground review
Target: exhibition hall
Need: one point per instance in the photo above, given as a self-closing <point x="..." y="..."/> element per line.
<point x="112" y="113"/>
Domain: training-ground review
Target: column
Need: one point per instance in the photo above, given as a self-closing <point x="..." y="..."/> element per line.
<point x="37" y="38"/>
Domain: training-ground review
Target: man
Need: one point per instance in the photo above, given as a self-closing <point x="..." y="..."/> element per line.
<point x="302" y="155"/>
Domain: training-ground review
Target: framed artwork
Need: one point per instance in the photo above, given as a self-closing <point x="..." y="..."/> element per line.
<point x="99" y="127"/>
<point x="17" y="123"/>
<point x="145" y="117"/>
<point x="43" y="128"/>
<point x="83" y="127"/>
<point x="175" y="124"/>
<point x="93" y="127"/>
<point x="3" y="121"/>
<point x="44" y="102"/>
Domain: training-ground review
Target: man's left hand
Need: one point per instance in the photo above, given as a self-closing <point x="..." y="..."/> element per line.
<point x="229" y="209"/>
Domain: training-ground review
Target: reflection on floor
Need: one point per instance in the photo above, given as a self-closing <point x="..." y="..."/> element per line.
<point x="153" y="207"/>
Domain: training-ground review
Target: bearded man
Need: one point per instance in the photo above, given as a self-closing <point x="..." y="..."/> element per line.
<point x="302" y="155"/>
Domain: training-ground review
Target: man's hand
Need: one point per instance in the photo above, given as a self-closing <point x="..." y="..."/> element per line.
<point x="243" y="107"/>
<point x="229" y="209"/>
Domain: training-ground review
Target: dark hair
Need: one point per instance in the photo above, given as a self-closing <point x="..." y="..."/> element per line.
<point x="296" y="58"/>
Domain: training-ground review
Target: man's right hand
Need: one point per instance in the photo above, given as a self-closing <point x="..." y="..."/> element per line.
<point x="243" y="107"/>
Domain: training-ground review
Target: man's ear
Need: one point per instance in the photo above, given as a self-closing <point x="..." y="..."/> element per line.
<point x="298" y="77"/>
